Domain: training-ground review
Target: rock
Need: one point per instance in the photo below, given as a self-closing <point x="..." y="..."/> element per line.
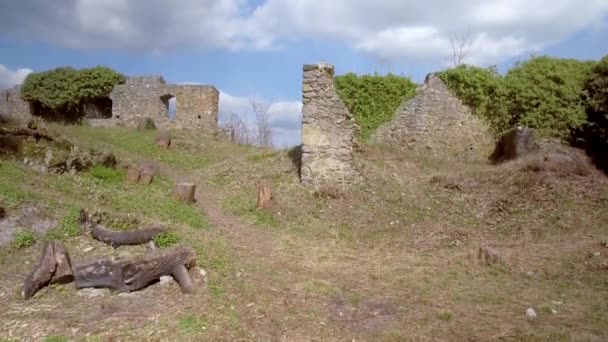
<point x="514" y="144"/>
<point x="489" y="256"/>
<point x="166" y="280"/>
<point x="92" y="292"/>
<point x="88" y="249"/>
<point x="163" y="139"/>
<point x="530" y="313"/>
<point x="199" y="275"/>
<point x="133" y="175"/>
<point x="597" y="254"/>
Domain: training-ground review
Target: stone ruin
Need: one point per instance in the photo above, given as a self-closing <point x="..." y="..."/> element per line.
<point x="196" y="106"/>
<point x="437" y="122"/>
<point x="328" y="131"/>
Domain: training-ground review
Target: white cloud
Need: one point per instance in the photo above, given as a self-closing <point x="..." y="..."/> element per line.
<point x="285" y="117"/>
<point x="392" y="30"/>
<point x="9" y="78"/>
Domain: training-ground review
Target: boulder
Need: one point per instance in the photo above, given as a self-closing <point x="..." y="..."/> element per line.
<point x="514" y="144"/>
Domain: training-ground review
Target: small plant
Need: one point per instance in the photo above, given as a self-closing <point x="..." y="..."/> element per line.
<point x="24" y="239"/>
<point x="70" y="225"/>
<point x="445" y="316"/>
<point x="191" y="325"/>
<point x="166" y="239"/>
<point x="107" y="174"/>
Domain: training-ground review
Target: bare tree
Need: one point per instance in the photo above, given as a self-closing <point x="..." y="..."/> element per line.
<point x="461" y="46"/>
<point x="237" y="130"/>
<point x="264" y="131"/>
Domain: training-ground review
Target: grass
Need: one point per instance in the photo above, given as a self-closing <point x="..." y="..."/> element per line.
<point x="166" y="239"/>
<point x="190" y="325"/>
<point x="24" y="239"/>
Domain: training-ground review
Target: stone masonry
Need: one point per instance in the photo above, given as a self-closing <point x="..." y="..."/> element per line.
<point x="436" y="122"/>
<point x="139" y="97"/>
<point x="148" y="96"/>
<point x="12" y="106"/>
<point x="328" y="131"/>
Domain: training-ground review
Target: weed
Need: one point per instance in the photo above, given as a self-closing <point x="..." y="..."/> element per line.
<point x="445" y="315"/>
<point x="24" y="239"/>
<point x="107" y="175"/>
<point x="69" y="223"/>
<point x="190" y="325"/>
<point x="56" y="338"/>
<point x="166" y="239"/>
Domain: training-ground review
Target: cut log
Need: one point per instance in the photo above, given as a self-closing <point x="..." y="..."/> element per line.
<point x="489" y="256"/>
<point x="135" y="237"/>
<point x="133" y="175"/>
<point x="265" y="199"/>
<point x="147" y="172"/>
<point x="55" y="267"/>
<point x="132" y="275"/>
<point x="146" y="178"/>
<point x="180" y="273"/>
<point x="163" y="139"/>
<point x="184" y="192"/>
<point x="63" y="270"/>
<point x="42" y="274"/>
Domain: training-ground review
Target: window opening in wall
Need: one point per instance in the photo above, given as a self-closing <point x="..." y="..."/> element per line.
<point x="171" y="103"/>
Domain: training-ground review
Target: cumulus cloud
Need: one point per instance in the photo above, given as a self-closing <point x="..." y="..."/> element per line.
<point x="9" y="78"/>
<point x="285" y="117"/>
<point x="393" y="30"/>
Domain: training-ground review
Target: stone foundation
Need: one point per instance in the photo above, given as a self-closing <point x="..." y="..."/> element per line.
<point x="328" y="131"/>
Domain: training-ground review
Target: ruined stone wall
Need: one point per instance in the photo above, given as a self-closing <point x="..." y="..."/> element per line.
<point x="328" y="131"/>
<point x="148" y="97"/>
<point x="13" y="107"/>
<point x="437" y="122"/>
<point x="196" y="107"/>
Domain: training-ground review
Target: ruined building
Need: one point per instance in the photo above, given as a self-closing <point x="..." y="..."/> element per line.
<point x="196" y="106"/>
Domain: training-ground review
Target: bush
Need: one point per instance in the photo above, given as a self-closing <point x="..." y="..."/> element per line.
<point x="545" y="94"/>
<point x="62" y="92"/>
<point x="482" y="89"/>
<point x="24" y="239"/>
<point x="373" y="99"/>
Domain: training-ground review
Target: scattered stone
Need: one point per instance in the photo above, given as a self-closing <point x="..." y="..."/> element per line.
<point x="133" y="175"/>
<point x="530" y="313"/>
<point x="597" y="254"/>
<point x="553" y="311"/>
<point x="163" y="139"/>
<point x="184" y="192"/>
<point x="88" y="249"/>
<point x="265" y="198"/>
<point x="199" y="275"/>
<point x="92" y="292"/>
<point x="514" y="144"/>
<point x="166" y="280"/>
<point x="127" y="294"/>
<point x="489" y="256"/>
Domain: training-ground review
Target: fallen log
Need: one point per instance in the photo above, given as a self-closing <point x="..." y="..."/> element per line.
<point x="135" y="237"/>
<point x="180" y="273"/>
<point x="132" y="275"/>
<point x="54" y="267"/>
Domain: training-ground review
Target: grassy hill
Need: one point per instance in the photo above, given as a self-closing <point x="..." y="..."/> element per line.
<point x="392" y="259"/>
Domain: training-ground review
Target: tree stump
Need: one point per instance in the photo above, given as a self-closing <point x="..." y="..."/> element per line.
<point x="163" y="139"/>
<point x="55" y="266"/>
<point x="489" y="256"/>
<point x="147" y="172"/>
<point x="133" y="175"/>
<point x="265" y="198"/>
<point x="184" y="192"/>
<point x="2" y="212"/>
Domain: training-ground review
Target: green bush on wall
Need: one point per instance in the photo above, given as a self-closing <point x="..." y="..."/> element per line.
<point x="65" y="90"/>
<point x="373" y="99"/>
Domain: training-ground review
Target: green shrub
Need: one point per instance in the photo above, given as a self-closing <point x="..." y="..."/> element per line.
<point x="373" y="99"/>
<point x="24" y="239"/>
<point x="482" y="89"/>
<point x="107" y="174"/>
<point x="596" y="93"/>
<point x="545" y="94"/>
<point x="63" y="91"/>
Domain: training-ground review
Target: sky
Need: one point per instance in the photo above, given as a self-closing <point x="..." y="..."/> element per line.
<point x="256" y="48"/>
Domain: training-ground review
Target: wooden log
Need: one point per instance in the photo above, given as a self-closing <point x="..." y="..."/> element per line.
<point x="135" y="237"/>
<point x="42" y="274"/>
<point x="180" y="273"/>
<point x="63" y="270"/>
<point x="184" y="192"/>
<point x="132" y="275"/>
<point x="265" y="199"/>
<point x="133" y="175"/>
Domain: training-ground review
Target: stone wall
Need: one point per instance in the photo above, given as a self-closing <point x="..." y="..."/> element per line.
<point x="13" y="107"/>
<point x="437" y="122"/>
<point x="328" y="131"/>
<point x="148" y="96"/>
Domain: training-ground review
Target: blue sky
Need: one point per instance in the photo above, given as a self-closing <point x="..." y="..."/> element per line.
<point x="257" y="48"/>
